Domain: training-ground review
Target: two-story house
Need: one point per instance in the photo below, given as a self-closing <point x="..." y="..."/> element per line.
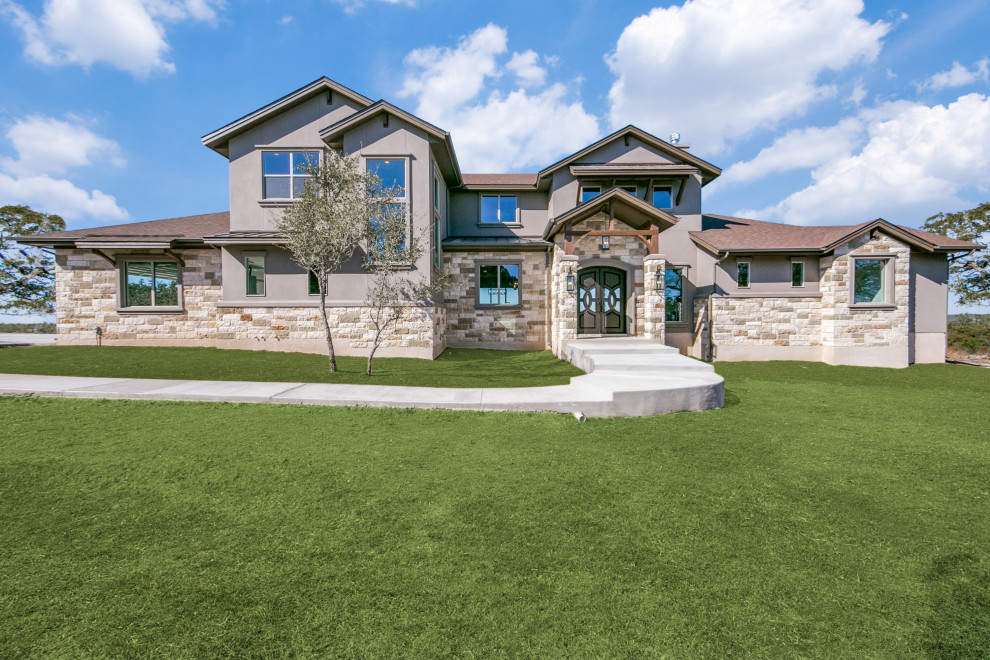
<point x="611" y="240"/>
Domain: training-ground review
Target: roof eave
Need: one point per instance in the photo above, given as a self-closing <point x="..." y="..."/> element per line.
<point x="609" y="195"/>
<point x="217" y="140"/>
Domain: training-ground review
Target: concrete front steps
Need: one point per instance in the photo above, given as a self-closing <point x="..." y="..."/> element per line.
<point x="625" y="377"/>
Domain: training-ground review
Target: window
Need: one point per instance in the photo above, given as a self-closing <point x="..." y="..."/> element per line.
<point x="498" y="285"/>
<point x="742" y="274"/>
<point x="870" y="280"/>
<point x="590" y="192"/>
<point x="629" y="189"/>
<point x="673" y="292"/>
<point x="663" y="197"/>
<point x="284" y="172"/>
<point x="797" y="273"/>
<point x="255" y="268"/>
<point x="151" y="284"/>
<point x="391" y="173"/>
<point x="498" y="209"/>
<point x="436" y="192"/>
<point x="314" y="284"/>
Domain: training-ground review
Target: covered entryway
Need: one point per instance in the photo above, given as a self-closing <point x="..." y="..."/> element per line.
<point x="601" y="301"/>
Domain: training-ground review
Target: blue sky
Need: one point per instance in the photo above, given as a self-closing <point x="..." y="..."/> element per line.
<point x="818" y="112"/>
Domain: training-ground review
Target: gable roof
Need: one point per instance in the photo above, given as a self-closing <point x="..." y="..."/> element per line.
<point x="722" y="233"/>
<point x="447" y="157"/>
<point x="170" y="232"/>
<point x="709" y="171"/>
<point x="633" y="206"/>
<point x="218" y="139"/>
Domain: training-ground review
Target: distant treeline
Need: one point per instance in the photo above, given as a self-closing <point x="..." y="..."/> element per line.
<point x="32" y="328"/>
<point x="970" y="333"/>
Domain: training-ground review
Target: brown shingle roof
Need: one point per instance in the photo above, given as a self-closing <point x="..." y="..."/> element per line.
<point x="722" y="232"/>
<point x="191" y="228"/>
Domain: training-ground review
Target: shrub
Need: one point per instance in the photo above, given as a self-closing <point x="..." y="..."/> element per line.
<point x="970" y="333"/>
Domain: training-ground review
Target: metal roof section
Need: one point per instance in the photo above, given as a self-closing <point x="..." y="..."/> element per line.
<point x="469" y="243"/>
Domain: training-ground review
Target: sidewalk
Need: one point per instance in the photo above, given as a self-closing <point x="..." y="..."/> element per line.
<point x="629" y="378"/>
<point x="26" y="339"/>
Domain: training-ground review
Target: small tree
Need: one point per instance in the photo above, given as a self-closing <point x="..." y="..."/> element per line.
<point x="27" y="274"/>
<point x="391" y="251"/>
<point x="970" y="272"/>
<point x="327" y="223"/>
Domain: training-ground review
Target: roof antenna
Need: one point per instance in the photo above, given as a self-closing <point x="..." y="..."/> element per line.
<point x="675" y="138"/>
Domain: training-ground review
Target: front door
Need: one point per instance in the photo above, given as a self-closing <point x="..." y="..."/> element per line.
<point x="601" y="301"/>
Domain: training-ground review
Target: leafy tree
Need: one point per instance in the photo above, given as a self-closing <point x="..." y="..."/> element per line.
<point x="27" y="274"/>
<point x="325" y="226"/>
<point x="971" y="272"/>
<point x="391" y="251"/>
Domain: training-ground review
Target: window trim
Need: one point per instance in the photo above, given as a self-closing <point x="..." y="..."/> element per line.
<point x="684" y="268"/>
<point x="635" y="189"/>
<point x="477" y="282"/>
<point x="122" y="306"/>
<point x="670" y="192"/>
<point x="252" y="255"/>
<point x="270" y="201"/>
<point x="437" y="254"/>
<point x="804" y="273"/>
<point x="889" y="274"/>
<point x="406" y="197"/>
<point x="749" y="273"/>
<point x="516" y="222"/>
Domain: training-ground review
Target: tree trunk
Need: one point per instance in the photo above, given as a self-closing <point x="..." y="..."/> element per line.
<point x="326" y="324"/>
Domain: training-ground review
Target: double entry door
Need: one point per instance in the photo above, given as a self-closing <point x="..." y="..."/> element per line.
<point x="601" y="301"/>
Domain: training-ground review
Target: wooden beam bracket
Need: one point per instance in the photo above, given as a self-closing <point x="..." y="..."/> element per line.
<point x="176" y="257"/>
<point x="106" y="256"/>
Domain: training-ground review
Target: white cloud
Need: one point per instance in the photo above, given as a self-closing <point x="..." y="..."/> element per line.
<point x="46" y="147"/>
<point x="528" y="71"/>
<point x="60" y="196"/>
<point x="858" y="94"/>
<point x="285" y="20"/>
<point x="801" y="148"/>
<point x="714" y="70"/>
<point x="916" y="160"/>
<point x="495" y="131"/>
<point x="51" y="146"/>
<point x="126" y="34"/>
<point x="957" y="76"/>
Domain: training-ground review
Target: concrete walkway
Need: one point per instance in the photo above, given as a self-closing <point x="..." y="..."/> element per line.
<point x="626" y="378"/>
<point x="26" y="339"/>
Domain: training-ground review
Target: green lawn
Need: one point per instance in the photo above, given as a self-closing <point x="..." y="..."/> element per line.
<point x="454" y="368"/>
<point x="830" y="512"/>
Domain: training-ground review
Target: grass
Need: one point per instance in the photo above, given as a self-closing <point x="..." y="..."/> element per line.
<point x="454" y="367"/>
<point x="832" y="512"/>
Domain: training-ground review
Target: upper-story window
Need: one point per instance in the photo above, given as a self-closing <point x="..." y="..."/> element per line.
<point x="284" y="172"/>
<point x="629" y="189"/>
<point x="662" y="197"/>
<point x="391" y="172"/>
<point x="590" y="192"/>
<point x="498" y="209"/>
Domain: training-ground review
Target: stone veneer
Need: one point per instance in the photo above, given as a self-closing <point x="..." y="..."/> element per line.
<point x="471" y="325"/>
<point x="86" y="297"/>
<point x="824" y="328"/>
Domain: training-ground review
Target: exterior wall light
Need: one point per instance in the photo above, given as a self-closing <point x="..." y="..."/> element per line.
<point x="604" y="242"/>
<point x="570" y="284"/>
<point x="658" y="280"/>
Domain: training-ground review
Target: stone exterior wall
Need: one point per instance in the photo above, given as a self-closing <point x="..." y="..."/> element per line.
<point x="846" y="326"/>
<point x="767" y="321"/>
<point x="86" y="297"/>
<point x="564" y="302"/>
<point x="653" y="311"/>
<point x="497" y="327"/>
<point x="828" y="328"/>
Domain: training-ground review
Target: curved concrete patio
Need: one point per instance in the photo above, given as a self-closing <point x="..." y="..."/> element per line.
<point x="625" y="378"/>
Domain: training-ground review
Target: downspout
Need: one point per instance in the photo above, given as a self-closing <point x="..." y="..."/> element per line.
<point x="710" y="357"/>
